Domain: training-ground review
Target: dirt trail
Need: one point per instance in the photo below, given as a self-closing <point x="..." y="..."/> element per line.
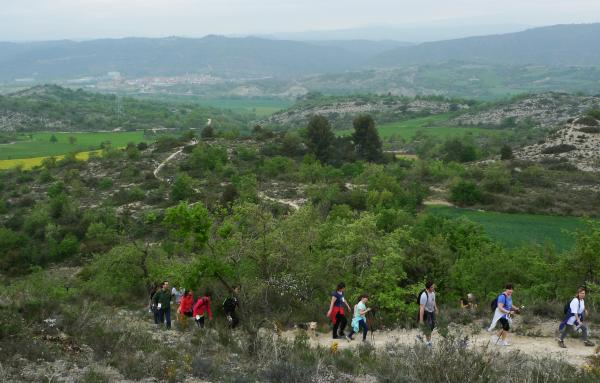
<point x="168" y="159"/>
<point x="575" y="354"/>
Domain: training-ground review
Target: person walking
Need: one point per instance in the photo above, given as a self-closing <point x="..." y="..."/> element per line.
<point x="336" y="311"/>
<point x="574" y="320"/>
<point x="503" y="313"/>
<point x="185" y="308"/>
<point x="177" y="294"/>
<point x="359" y="319"/>
<point x="162" y="300"/>
<point x="230" y="304"/>
<point x="155" y="288"/>
<point x="428" y="310"/>
<point x="201" y="308"/>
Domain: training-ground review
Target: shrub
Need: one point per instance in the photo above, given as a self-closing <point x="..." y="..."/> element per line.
<point x="466" y="193"/>
<point x="557" y="149"/>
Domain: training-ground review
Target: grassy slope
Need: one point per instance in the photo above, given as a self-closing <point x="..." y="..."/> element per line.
<point x="430" y="125"/>
<point x="517" y="229"/>
<point x="40" y="145"/>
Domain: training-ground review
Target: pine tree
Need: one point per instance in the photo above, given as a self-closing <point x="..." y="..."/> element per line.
<point x="366" y="139"/>
<point x="320" y="138"/>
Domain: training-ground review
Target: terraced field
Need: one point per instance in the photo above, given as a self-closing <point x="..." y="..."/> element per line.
<point x="431" y="125"/>
<point x="39" y="145"/>
<point x="517" y="229"/>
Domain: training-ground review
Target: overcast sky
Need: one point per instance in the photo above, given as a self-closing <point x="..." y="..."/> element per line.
<point x="85" y="19"/>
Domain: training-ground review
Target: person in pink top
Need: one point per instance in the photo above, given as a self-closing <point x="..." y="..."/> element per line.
<point x="201" y="308"/>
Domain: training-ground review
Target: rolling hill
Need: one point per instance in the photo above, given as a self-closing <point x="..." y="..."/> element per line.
<point x="554" y="45"/>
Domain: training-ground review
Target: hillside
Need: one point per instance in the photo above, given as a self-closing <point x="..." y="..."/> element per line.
<point x="545" y="110"/>
<point x="53" y="108"/>
<point x="576" y="144"/>
<point x="340" y="111"/>
<point x="141" y="57"/>
<point x="554" y="45"/>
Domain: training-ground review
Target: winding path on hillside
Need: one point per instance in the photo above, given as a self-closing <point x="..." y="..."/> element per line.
<point x="170" y="158"/>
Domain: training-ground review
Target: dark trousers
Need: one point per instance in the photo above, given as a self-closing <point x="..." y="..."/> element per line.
<point x="571" y="328"/>
<point x="200" y="322"/>
<point x="156" y="314"/>
<point x="361" y="325"/>
<point x="340" y="324"/>
<point x="234" y="318"/>
<point x="164" y="315"/>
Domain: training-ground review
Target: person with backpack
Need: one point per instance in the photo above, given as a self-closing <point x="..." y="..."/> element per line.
<point x="427" y="310"/>
<point x="201" y="308"/>
<point x="503" y="309"/>
<point x="230" y="304"/>
<point x="573" y="322"/>
<point x="336" y="311"/>
<point x="185" y="309"/>
<point x="359" y="320"/>
<point x="162" y="301"/>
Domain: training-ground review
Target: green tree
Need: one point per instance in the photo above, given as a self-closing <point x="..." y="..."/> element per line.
<point x="506" y="153"/>
<point x="53" y="139"/>
<point x="207" y="132"/>
<point x="72" y="140"/>
<point x="189" y="224"/>
<point x="183" y="188"/>
<point x="466" y="193"/>
<point x="319" y="138"/>
<point x="366" y="139"/>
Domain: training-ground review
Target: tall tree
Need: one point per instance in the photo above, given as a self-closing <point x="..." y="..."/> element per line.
<point x="320" y="138"/>
<point x="366" y="139"/>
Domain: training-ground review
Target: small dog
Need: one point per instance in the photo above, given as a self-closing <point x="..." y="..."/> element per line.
<point x="310" y="328"/>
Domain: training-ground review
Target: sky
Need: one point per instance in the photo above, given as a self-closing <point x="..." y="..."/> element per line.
<point x="25" y="20"/>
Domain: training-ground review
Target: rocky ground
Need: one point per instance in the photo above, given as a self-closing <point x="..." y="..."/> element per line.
<point x="578" y="144"/>
<point x="341" y="112"/>
<point x="544" y="110"/>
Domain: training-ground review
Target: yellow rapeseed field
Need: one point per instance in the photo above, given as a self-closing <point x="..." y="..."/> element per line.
<point x="29" y="163"/>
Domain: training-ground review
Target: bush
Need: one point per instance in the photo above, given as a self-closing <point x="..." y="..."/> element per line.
<point x="466" y="193"/>
<point x="122" y="275"/>
<point x="557" y="149"/>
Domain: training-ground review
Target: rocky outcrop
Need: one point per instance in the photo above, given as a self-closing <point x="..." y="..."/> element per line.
<point x="575" y="144"/>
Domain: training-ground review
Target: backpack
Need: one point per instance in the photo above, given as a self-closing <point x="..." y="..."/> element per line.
<point x="494" y="303"/>
<point x="567" y="308"/>
<point x="419" y="296"/>
<point x="229" y="304"/>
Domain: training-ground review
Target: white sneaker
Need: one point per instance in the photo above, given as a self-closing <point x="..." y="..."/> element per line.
<point x="505" y="343"/>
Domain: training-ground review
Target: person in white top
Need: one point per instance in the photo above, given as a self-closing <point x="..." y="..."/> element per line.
<point x="574" y="320"/>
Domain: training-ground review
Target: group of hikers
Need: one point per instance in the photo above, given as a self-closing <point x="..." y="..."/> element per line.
<point x="502" y="306"/>
<point x="161" y="297"/>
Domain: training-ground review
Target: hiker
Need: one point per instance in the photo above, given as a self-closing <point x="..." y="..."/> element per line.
<point x="162" y="300"/>
<point x="336" y="311"/>
<point x="468" y="303"/>
<point x="177" y="294"/>
<point x="201" y="308"/>
<point x="503" y="312"/>
<point x="230" y="304"/>
<point x="575" y="312"/>
<point x="186" y="305"/>
<point x="359" y="320"/>
<point x="428" y="310"/>
<point x="153" y="290"/>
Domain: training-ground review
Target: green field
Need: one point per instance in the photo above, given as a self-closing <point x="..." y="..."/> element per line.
<point x="39" y="145"/>
<point x="407" y="129"/>
<point x="260" y="107"/>
<point x="517" y="229"/>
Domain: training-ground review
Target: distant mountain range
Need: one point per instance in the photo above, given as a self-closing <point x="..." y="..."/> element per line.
<point x="259" y="57"/>
<point x="555" y="45"/>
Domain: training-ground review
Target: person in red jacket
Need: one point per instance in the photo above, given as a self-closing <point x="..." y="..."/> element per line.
<point x="186" y="304"/>
<point x="201" y="308"/>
